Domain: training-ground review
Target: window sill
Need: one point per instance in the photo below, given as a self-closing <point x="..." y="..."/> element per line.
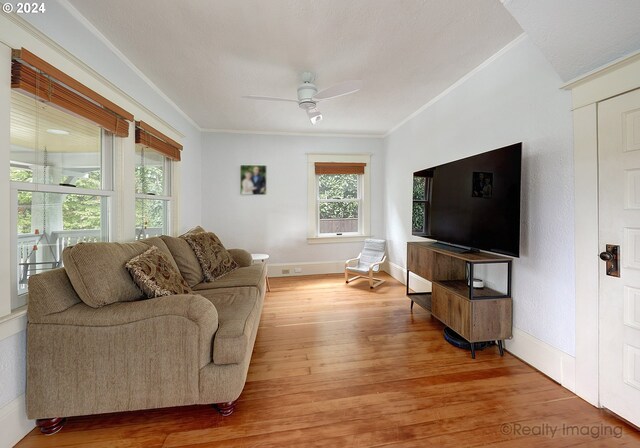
<point x="336" y="239"/>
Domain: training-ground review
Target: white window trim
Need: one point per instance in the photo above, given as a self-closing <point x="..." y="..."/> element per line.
<point x="312" y="198"/>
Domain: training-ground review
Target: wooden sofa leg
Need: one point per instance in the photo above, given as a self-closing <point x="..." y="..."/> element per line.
<point x="226" y="409"/>
<point x="50" y="426"/>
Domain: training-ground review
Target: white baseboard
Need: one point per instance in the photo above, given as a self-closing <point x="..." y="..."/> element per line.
<point x="296" y="269"/>
<point x="14" y="422"/>
<point x="417" y="284"/>
<point x="549" y="360"/>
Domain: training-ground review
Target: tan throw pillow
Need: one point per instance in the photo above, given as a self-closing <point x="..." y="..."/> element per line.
<point x="215" y="260"/>
<point x="154" y="273"/>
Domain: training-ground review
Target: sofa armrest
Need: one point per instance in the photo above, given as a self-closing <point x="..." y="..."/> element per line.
<point x="124" y="356"/>
<point x="242" y="257"/>
<point x="192" y="308"/>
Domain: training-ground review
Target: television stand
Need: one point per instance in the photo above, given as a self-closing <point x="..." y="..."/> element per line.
<point x="452" y="248"/>
<point x="478" y="315"/>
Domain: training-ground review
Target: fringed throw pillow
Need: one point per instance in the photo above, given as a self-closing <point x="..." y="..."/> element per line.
<point x="215" y="260"/>
<point x="155" y="275"/>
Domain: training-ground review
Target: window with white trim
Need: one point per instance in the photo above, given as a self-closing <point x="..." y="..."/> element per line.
<point x="338" y="197"/>
<point x="61" y="171"/>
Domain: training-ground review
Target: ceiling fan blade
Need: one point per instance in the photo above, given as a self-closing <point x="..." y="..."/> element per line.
<point x="269" y="98"/>
<point x="343" y="88"/>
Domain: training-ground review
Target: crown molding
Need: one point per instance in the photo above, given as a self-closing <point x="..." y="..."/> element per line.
<point x="291" y="134"/>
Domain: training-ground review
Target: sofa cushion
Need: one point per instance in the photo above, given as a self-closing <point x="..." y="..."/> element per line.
<point x="251" y="276"/>
<point x="50" y="292"/>
<point x="185" y="259"/>
<point x="238" y="314"/>
<point x="214" y="259"/>
<point x="242" y="257"/>
<point x="154" y="273"/>
<point x="98" y="274"/>
<point x="162" y="246"/>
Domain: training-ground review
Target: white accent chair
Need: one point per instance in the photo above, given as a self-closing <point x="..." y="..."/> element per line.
<point x="367" y="263"/>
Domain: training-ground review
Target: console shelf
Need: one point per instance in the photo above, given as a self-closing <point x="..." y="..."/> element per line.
<point x="460" y="287"/>
<point x="476" y="314"/>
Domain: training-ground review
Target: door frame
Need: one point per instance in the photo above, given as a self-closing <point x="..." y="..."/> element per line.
<point x="614" y="79"/>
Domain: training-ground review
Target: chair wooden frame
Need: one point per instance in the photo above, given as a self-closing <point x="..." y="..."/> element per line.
<point x="373" y="281"/>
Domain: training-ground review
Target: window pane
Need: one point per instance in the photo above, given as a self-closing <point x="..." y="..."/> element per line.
<point x="338" y="186"/>
<point x="418" y="218"/>
<point x="50" y="146"/>
<point x="339" y="217"/>
<point x="419" y="188"/>
<point x="49" y="222"/>
<point x="151" y="217"/>
<point x="150" y="172"/>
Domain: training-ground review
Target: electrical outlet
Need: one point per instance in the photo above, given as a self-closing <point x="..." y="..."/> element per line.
<point x="297" y="270"/>
<point x="285" y="271"/>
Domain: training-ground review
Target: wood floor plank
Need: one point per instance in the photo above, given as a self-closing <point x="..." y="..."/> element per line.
<point x="338" y="365"/>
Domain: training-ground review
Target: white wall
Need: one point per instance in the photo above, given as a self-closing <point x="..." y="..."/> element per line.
<point x="276" y="223"/>
<point x="514" y="98"/>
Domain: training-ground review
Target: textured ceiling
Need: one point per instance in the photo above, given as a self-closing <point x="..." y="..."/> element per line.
<point x="578" y="36"/>
<point x="205" y="55"/>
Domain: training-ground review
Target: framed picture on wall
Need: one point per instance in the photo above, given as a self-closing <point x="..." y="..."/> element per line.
<point x="253" y="179"/>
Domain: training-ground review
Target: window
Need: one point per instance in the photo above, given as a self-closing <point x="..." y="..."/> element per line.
<point x="62" y="136"/>
<point x="338" y="197"/>
<point x="155" y="154"/>
<point x="153" y="175"/>
<point x="421" y="198"/>
<point x="61" y="184"/>
<point x="339" y="203"/>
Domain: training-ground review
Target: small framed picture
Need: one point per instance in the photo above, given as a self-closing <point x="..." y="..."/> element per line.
<point x="482" y="185"/>
<point x="253" y="179"/>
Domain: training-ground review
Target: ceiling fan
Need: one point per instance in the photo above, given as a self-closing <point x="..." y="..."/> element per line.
<point x="308" y="95"/>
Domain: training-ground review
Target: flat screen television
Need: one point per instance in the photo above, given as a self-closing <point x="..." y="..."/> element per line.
<point x="472" y="203"/>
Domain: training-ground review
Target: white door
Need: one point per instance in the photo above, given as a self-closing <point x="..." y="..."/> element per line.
<point x="619" y="223"/>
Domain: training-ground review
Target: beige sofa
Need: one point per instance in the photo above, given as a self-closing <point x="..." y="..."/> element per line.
<point x="95" y="346"/>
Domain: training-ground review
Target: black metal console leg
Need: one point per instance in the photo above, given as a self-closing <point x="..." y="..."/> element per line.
<point x="500" y="347"/>
<point x="412" y="306"/>
<point x="473" y="350"/>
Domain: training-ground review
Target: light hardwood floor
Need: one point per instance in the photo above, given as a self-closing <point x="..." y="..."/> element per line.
<point x="338" y="365"/>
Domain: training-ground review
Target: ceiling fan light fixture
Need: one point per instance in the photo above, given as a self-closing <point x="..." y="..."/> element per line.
<point x="315" y="116"/>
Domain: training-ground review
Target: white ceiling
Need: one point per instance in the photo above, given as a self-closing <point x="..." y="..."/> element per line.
<point x="205" y="55"/>
<point x="578" y="36"/>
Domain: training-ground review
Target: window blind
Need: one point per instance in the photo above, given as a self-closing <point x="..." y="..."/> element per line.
<point x="148" y="136"/>
<point x="38" y="78"/>
<point x="339" y="168"/>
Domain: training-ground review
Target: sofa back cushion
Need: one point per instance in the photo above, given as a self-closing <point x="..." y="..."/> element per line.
<point x="162" y="246"/>
<point x="185" y="259"/>
<point x="98" y="274"/>
<point x="50" y="292"/>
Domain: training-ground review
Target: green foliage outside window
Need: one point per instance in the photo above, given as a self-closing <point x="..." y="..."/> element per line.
<point x="338" y="187"/>
<point x="418" y="213"/>
<point x="419" y="188"/>
<point x="83" y="212"/>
